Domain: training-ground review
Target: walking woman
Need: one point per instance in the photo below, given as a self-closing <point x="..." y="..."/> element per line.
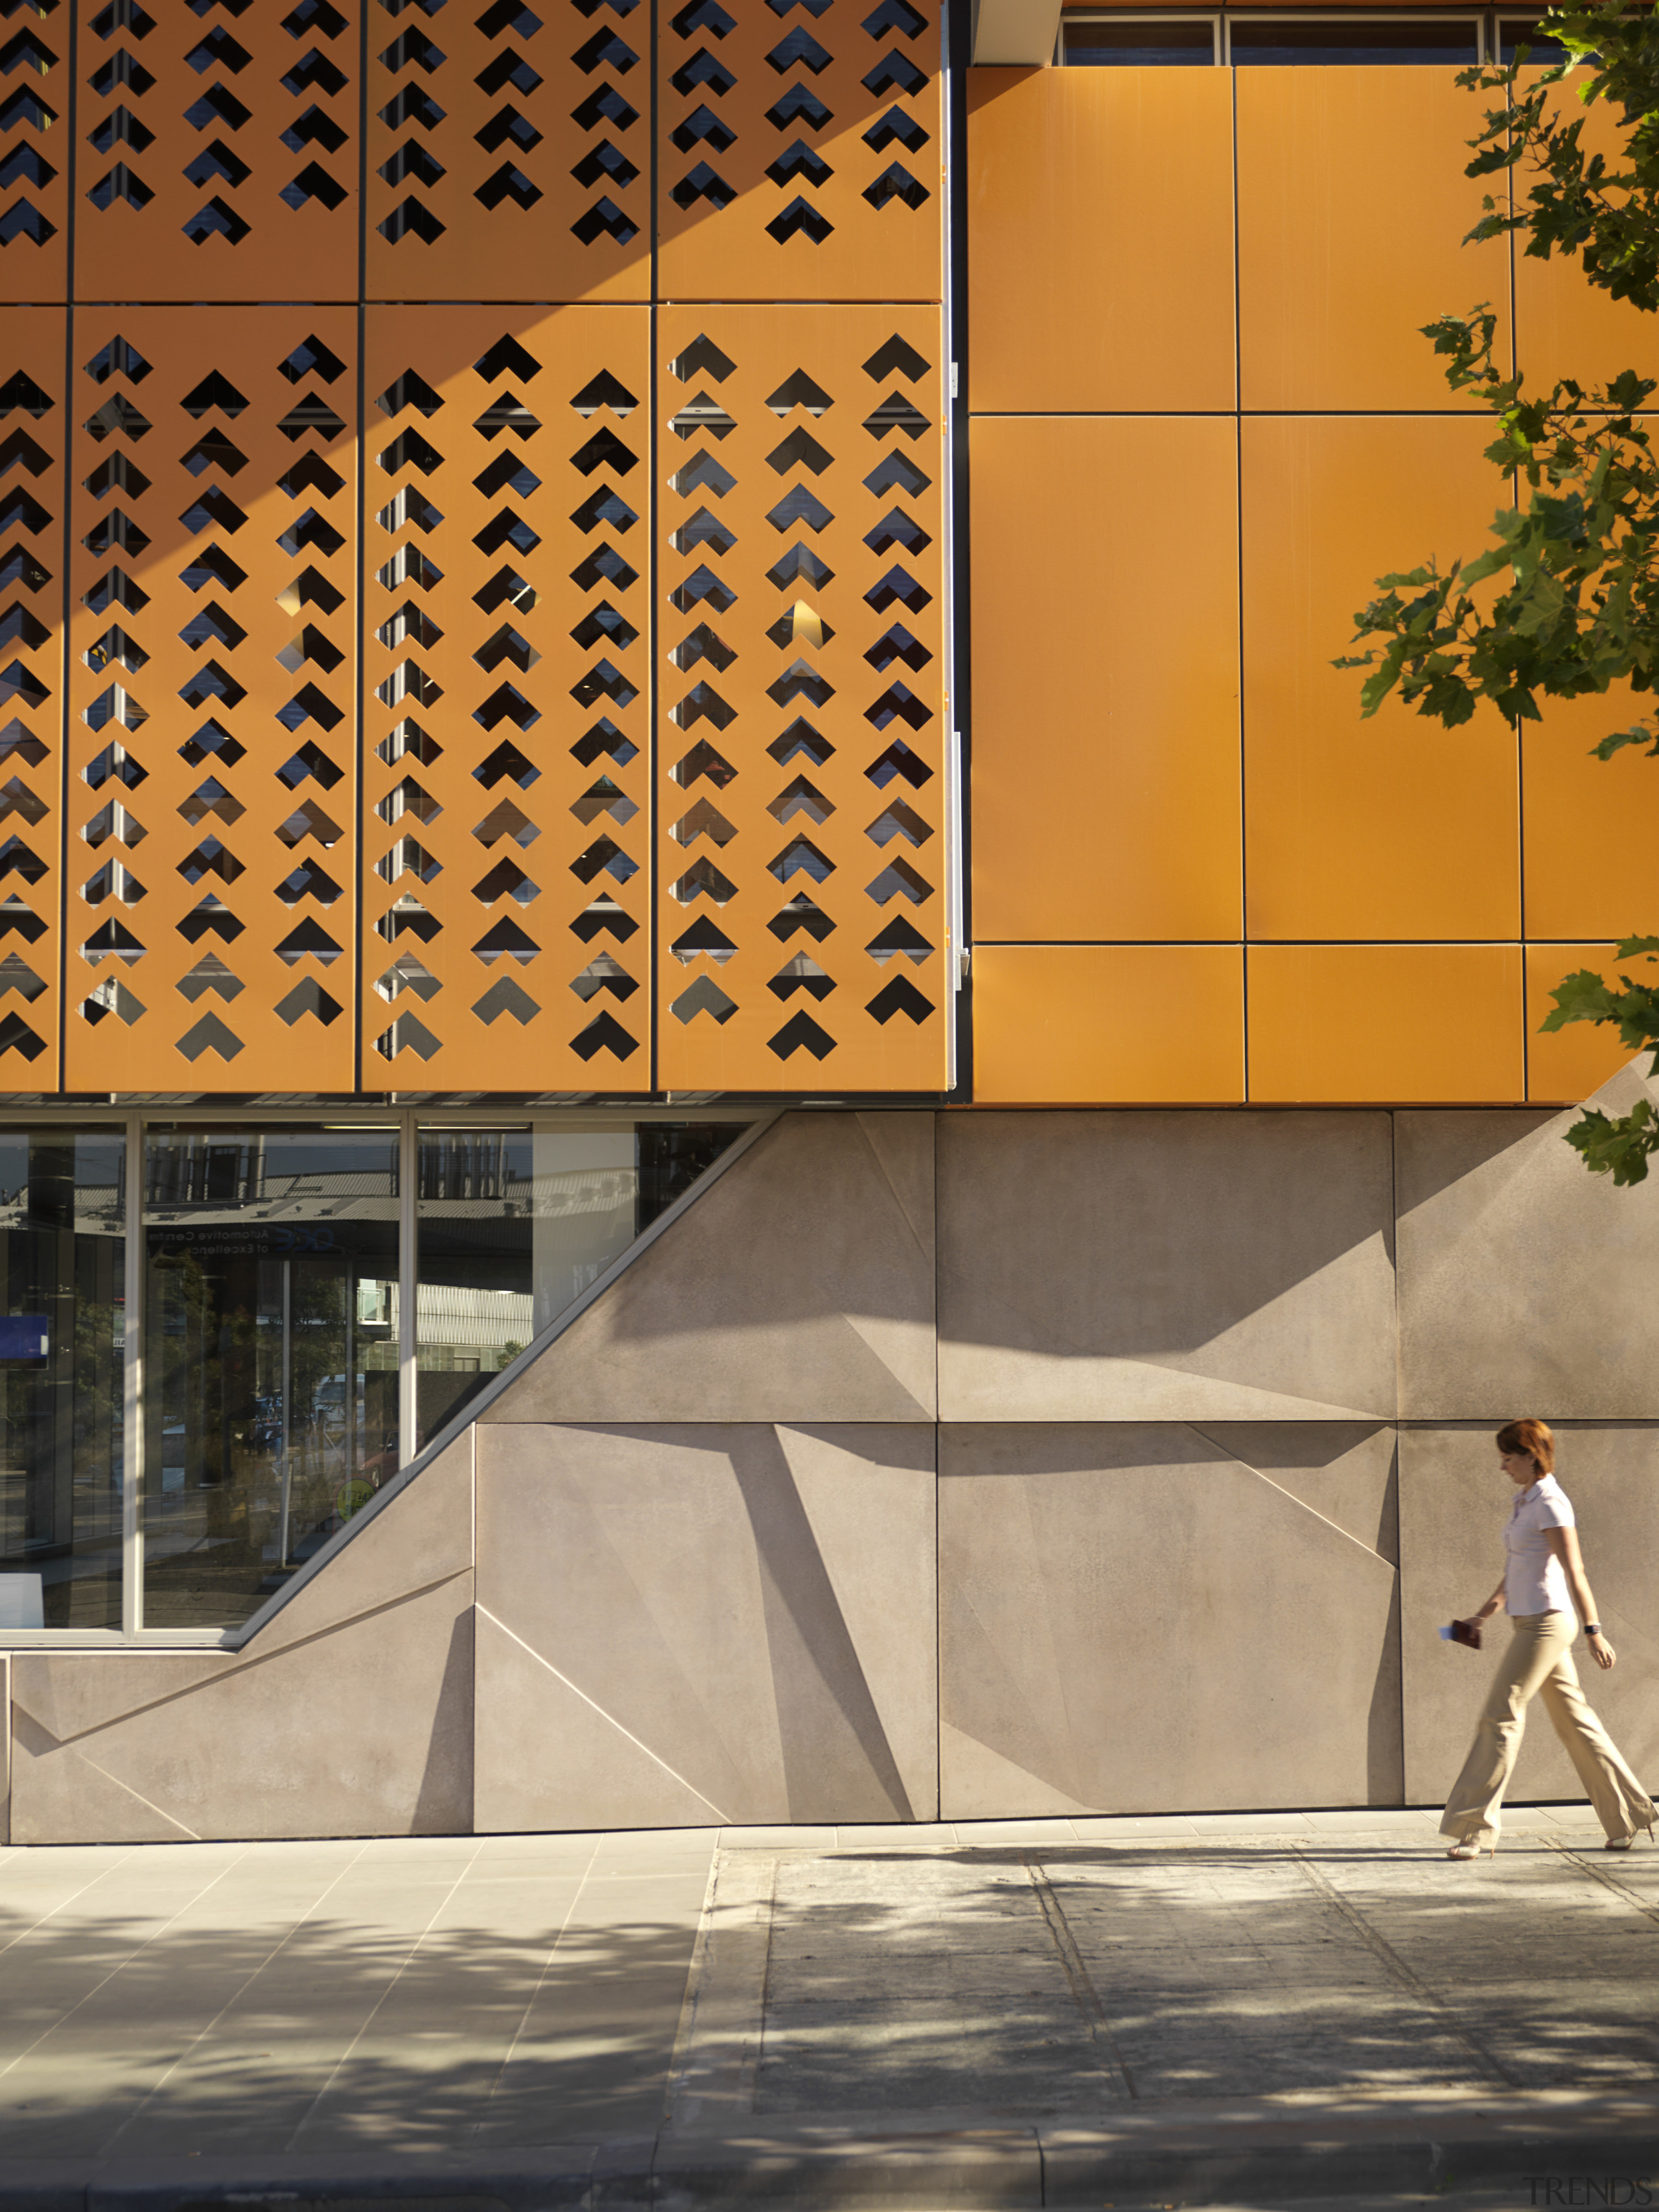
<point x="1543" y="1580"/>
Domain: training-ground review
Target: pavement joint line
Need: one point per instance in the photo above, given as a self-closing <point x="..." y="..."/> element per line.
<point x="1606" y="1876"/>
<point x="1385" y="1953"/>
<point x="375" y="2009"/>
<point x="723" y="2015"/>
<point x="679" y="2058"/>
<point x="1084" y="1992"/>
<point x="64" y="1902"/>
<point x="541" y="1979"/>
<point x="196" y="2042"/>
<point x="120" y="1967"/>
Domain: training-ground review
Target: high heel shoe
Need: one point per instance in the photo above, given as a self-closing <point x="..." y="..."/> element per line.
<point x="1624" y="1843"/>
<point x="1472" y="1848"/>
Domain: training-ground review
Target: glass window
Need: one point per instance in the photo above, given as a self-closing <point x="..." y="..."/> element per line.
<point x="517" y="1221"/>
<point x="270" y="1356"/>
<point x="63" y="1253"/>
<point x="1296" y="42"/>
<point x="1148" y="42"/>
<point x="1515" y="31"/>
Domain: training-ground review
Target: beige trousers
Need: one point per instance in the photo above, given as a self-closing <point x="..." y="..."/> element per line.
<point x="1539" y="1662"/>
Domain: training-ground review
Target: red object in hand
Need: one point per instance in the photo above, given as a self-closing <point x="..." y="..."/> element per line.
<point x="1466" y="1632"/>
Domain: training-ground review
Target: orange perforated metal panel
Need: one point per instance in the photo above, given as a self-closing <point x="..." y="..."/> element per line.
<point x="509" y="151"/>
<point x="802" y="743"/>
<point x="31" y="435"/>
<point x="800" y="156"/>
<point x="507" y="870"/>
<point x="212" y="783"/>
<point x="36" y="98"/>
<point x="217" y="151"/>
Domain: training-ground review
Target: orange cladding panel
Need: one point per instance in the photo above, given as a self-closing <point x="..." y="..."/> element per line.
<point x="1591" y="867"/>
<point x="1374" y="1023"/>
<point x="799" y="158"/>
<point x="36" y="95"/>
<point x="33" y="430"/>
<point x="1573" y="1063"/>
<point x="218" y="152"/>
<point x="1394" y="827"/>
<point x="506" y="700"/>
<point x="508" y="152"/>
<point x="1086" y="188"/>
<point x="1106" y="745"/>
<point x="1563" y="325"/>
<point x="802" y="803"/>
<point x="1352" y="207"/>
<point x="1109" y="1024"/>
<point x="212" y="791"/>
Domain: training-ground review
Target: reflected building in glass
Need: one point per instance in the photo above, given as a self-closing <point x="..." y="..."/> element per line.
<point x="62" y="1211"/>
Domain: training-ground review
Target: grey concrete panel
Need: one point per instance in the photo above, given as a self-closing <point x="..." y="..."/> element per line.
<point x="800" y="1288"/>
<point x="728" y="1623"/>
<point x="1130" y="1619"/>
<point x="421" y="1537"/>
<point x="1525" y="1282"/>
<point x="1454" y="1501"/>
<point x="1165" y="1266"/>
<point x="364" y="1730"/>
<point x="1343" y="1470"/>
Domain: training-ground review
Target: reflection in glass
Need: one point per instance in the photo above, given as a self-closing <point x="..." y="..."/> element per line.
<point x="517" y="1222"/>
<point x="1515" y="31"/>
<point x="270" y="1356"/>
<point x="1452" y="41"/>
<point x="1159" y="43"/>
<point x="63" y="1196"/>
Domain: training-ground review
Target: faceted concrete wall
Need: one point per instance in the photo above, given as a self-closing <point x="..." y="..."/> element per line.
<point x="967" y="1464"/>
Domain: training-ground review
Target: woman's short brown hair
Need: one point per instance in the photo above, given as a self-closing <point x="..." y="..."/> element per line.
<point x="1532" y="1437"/>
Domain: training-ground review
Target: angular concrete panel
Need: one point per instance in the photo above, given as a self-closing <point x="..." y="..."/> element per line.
<point x="1525" y="1282"/>
<point x="1345" y="1471"/>
<point x="1131" y="1620"/>
<point x="1165" y="1266"/>
<point x="700" y="1622"/>
<point x="365" y="1731"/>
<point x="349" y="1713"/>
<point x="1454" y="1501"/>
<point x="799" y="1287"/>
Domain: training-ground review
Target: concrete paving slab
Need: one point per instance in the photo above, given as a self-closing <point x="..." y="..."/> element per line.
<point x="1216" y="1989"/>
<point x="919" y="1836"/>
<point x="779" y="1839"/>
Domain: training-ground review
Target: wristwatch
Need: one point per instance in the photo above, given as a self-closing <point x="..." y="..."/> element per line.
<point x="1592" y="1628"/>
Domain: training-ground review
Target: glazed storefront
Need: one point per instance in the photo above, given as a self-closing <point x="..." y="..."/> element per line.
<point x="220" y="1335"/>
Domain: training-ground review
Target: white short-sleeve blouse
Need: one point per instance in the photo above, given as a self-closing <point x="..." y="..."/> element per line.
<point x="1534" y="1580"/>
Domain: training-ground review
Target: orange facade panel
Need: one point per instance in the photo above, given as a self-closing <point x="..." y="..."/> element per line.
<point x="1564" y="326"/>
<point x="800" y="155"/>
<point x="217" y="151"/>
<point x="1363" y="1024"/>
<point x="36" y="100"/>
<point x="1590" y="867"/>
<point x="1394" y="827"/>
<point x="1086" y="188"/>
<point x="33" y="432"/>
<point x="1353" y="206"/>
<point x="1109" y="1024"/>
<point x="212" y="785"/>
<point x="1106" y="765"/>
<point x="1572" y="1063"/>
<point x="507" y="876"/>
<point x="803" y="828"/>
<point x="508" y="152"/>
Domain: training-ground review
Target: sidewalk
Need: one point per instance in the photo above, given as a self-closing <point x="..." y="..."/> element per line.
<point x="1242" y="2009"/>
